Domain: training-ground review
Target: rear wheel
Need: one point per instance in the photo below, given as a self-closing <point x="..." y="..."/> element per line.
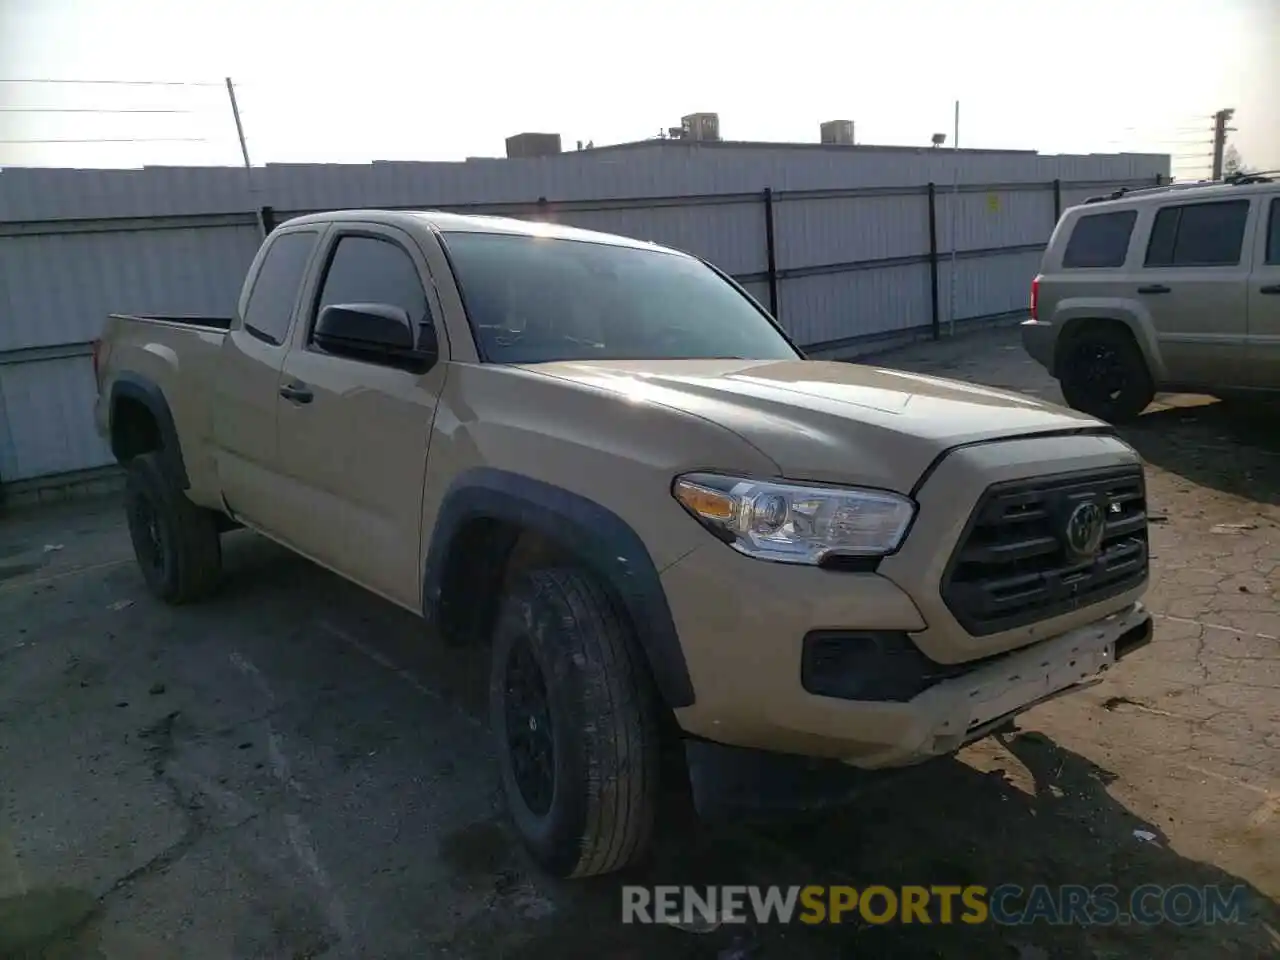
<point x="175" y="542"/>
<point x="574" y="723"/>
<point x="1104" y="374"/>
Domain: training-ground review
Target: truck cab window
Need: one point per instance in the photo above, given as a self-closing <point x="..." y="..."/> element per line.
<point x="532" y="300"/>
<point x="369" y="270"/>
<point x="275" y="290"/>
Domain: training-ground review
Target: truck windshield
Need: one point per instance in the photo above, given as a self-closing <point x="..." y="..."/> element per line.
<point x="540" y="299"/>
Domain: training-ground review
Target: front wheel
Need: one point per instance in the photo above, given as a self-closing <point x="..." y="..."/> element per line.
<point x="575" y="725"/>
<point x="175" y="542"/>
<point x="1105" y="375"/>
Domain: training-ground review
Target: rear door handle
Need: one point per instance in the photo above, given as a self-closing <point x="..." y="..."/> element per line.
<point x="1272" y="289"/>
<point x="1154" y="288"/>
<point x="297" y="392"/>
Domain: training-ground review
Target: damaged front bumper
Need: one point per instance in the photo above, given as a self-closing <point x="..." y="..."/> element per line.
<point x="740" y="781"/>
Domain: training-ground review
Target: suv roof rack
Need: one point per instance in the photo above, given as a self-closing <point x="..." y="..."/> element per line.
<point x="1251" y="176"/>
<point x="1139" y="191"/>
<point x="1123" y="191"/>
<point x="1235" y="180"/>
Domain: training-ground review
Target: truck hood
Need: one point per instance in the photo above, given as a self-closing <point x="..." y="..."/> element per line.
<point x="827" y="420"/>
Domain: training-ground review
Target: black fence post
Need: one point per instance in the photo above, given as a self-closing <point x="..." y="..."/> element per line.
<point x="936" y="321"/>
<point x="544" y="209"/>
<point x="1057" y="201"/>
<point x="268" y="215"/>
<point x="771" y="251"/>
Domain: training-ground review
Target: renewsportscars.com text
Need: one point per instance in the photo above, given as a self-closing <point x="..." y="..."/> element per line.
<point x="1006" y="904"/>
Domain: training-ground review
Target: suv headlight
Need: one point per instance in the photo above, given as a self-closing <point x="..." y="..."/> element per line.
<point x="796" y="523"/>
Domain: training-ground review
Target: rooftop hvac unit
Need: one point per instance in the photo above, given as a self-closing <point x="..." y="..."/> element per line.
<point x="701" y="126"/>
<point x="838" y="131"/>
<point x="533" y="145"/>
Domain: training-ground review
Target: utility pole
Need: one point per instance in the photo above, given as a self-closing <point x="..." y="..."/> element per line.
<point x="244" y="152"/>
<point x="1220" y="131"/>
<point x="955" y="215"/>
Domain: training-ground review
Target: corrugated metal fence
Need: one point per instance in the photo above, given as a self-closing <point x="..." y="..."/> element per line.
<point x="839" y="267"/>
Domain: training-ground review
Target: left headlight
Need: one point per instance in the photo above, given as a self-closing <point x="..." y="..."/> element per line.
<point x="796" y="523"/>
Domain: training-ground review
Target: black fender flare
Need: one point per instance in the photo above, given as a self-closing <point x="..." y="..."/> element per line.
<point x="144" y="391"/>
<point x="604" y="541"/>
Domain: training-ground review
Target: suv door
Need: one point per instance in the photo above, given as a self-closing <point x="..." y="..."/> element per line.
<point x="1194" y="283"/>
<point x="244" y="387"/>
<point x="1263" y="341"/>
<point x="354" y="432"/>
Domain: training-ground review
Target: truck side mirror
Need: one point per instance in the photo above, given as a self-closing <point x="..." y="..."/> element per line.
<point x="363" y="326"/>
<point x="378" y="332"/>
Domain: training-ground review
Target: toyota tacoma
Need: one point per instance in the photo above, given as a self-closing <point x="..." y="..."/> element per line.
<point x="607" y="461"/>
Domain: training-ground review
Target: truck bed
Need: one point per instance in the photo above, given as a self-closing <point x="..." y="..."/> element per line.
<point x="176" y="355"/>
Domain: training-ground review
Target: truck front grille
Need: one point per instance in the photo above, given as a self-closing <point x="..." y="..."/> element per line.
<point x="1014" y="564"/>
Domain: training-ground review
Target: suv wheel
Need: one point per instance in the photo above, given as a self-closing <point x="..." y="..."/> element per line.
<point x="575" y="725"/>
<point x="175" y="542"/>
<point x="1104" y="375"/>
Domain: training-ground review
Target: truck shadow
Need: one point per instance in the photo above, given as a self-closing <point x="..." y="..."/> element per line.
<point x="1231" y="446"/>
<point x="957" y="825"/>
<point x="944" y="824"/>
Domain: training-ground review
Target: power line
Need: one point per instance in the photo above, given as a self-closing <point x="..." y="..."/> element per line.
<point x="88" y="110"/>
<point x="121" y="83"/>
<point x="118" y="140"/>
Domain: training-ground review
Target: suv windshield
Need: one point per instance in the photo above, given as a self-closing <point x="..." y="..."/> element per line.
<point x="539" y="299"/>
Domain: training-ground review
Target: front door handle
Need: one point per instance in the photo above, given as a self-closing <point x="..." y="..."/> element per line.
<point x="1154" y="288"/>
<point x="1273" y="289"/>
<point x="297" y="392"/>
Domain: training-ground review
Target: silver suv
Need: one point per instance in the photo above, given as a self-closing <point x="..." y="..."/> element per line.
<point x="1174" y="288"/>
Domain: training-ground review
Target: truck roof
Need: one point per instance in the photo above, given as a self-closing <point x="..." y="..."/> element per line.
<point x="473" y="223"/>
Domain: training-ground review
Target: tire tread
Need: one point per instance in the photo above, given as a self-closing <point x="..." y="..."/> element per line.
<point x="198" y="553"/>
<point x="618" y="721"/>
<point x="1130" y="403"/>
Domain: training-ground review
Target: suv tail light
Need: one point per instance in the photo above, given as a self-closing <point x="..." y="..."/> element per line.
<point x="1035" y="297"/>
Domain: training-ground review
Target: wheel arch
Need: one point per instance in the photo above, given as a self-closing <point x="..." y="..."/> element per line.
<point x="141" y="422"/>
<point x="1072" y="323"/>
<point x="490" y="516"/>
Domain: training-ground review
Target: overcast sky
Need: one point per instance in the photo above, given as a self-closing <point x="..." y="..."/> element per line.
<point x="430" y="80"/>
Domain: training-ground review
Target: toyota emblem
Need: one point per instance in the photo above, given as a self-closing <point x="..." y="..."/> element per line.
<point x="1085" y="529"/>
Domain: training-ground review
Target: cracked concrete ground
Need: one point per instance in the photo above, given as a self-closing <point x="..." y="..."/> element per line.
<point x="291" y="770"/>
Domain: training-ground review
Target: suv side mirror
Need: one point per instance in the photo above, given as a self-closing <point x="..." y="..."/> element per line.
<point x="377" y="332"/>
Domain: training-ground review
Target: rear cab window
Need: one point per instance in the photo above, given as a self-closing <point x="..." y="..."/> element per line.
<point x="1099" y="240"/>
<point x="269" y="310"/>
<point x="1198" y="234"/>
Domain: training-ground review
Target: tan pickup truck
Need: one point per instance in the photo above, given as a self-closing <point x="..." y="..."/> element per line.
<point x="606" y="460"/>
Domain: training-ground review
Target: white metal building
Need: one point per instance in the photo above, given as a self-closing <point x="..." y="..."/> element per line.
<point x="849" y="244"/>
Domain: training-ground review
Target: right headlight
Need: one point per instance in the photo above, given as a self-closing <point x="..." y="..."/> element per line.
<point x="793" y="522"/>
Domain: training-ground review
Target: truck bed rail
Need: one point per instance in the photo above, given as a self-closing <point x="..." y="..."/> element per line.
<point x="222" y="324"/>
